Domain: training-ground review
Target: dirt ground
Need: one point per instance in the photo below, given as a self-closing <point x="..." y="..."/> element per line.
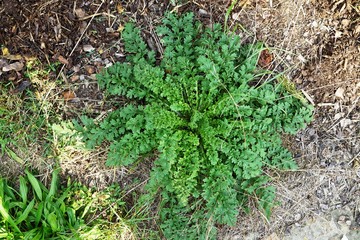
<point x="316" y="44"/>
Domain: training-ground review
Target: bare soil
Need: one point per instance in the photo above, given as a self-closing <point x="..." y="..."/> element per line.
<point x="316" y="44"/>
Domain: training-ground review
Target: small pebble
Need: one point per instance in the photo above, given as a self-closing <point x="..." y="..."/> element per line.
<point x="203" y="12"/>
<point x="297" y="217"/>
<point x="88" y="48"/>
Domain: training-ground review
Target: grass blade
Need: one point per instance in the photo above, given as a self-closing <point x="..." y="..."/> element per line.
<point x="23" y="189"/>
<point x="39" y="213"/>
<point x="228" y="12"/>
<point x="4" y="235"/>
<point x="53" y="186"/>
<point x="2" y="186"/>
<point x="7" y="217"/>
<point x="8" y="191"/>
<point x="35" y="184"/>
<point x="13" y="155"/>
<point x="26" y="212"/>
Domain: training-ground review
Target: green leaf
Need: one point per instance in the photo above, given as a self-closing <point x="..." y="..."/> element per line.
<point x="53" y="186"/>
<point x="7" y="217"/>
<point x="13" y="155"/>
<point x="35" y="184"/>
<point x="23" y="189"/>
<point x="39" y="213"/>
<point x="52" y="219"/>
<point x="26" y="212"/>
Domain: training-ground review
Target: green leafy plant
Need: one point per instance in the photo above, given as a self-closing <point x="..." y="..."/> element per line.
<point x="214" y="125"/>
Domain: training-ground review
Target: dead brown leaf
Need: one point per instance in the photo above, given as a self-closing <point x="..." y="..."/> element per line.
<point x="120" y="9"/>
<point x="89" y="69"/>
<point x="5" y="51"/>
<point x="3" y="63"/>
<point x="265" y="58"/>
<point x="22" y="86"/>
<point x="17" y="66"/>
<point x="68" y="95"/>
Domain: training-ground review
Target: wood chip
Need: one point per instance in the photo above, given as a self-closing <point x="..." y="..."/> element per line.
<point x="338" y="34"/>
<point x="63" y="60"/>
<point x="345" y="122"/>
<point x="235" y="16"/>
<point x="76" y="68"/>
<point x="74" y="78"/>
<point x="344" y="237"/>
<point x="345" y="22"/>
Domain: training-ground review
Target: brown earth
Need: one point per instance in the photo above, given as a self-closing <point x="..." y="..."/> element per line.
<point x="316" y="44"/>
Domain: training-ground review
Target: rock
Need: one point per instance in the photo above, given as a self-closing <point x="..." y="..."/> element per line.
<point x="80" y="13"/>
<point x="297" y="217"/>
<point x="203" y="12"/>
<point x="340" y="93"/>
<point x="88" y="48"/>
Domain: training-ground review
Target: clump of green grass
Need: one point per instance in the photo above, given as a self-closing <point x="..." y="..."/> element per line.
<point x="34" y="211"/>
